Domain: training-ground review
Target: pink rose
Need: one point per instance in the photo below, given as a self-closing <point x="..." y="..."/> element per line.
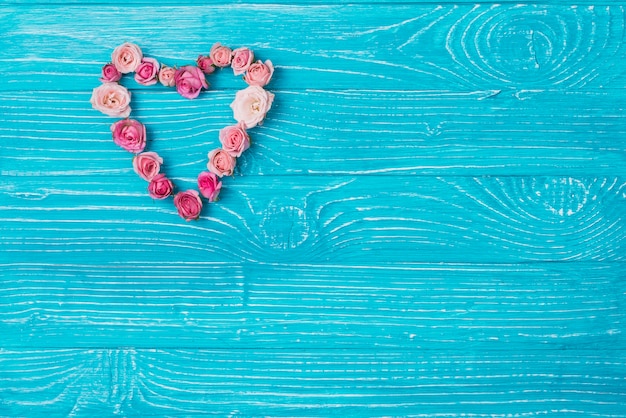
<point x="111" y="99"/>
<point x="166" y="76"/>
<point x="235" y="139"/>
<point x="205" y="63"/>
<point x="221" y="163"/>
<point x="242" y="58"/>
<point x="221" y="55"/>
<point x="129" y="134"/>
<point x="259" y="74"/>
<point x="126" y="57"/>
<point x="209" y="185"/>
<point x="189" y="81"/>
<point x="251" y="105"/>
<point x="147" y="165"/>
<point x="110" y="74"/>
<point x="147" y="72"/>
<point x="188" y="204"/>
<point x="160" y="187"/>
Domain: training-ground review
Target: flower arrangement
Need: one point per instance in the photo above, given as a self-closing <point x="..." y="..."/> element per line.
<point x="250" y="107"/>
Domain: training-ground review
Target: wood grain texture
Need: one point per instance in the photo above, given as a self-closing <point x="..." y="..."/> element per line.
<point x="391" y="306"/>
<point x="363" y="46"/>
<point x="129" y="382"/>
<point x="429" y="223"/>
<point x="317" y="219"/>
<point x="337" y="133"/>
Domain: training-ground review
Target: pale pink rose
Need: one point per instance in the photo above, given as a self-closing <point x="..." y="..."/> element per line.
<point x="111" y="99"/>
<point x="147" y="72"/>
<point x="110" y="74"/>
<point x="147" y="165"/>
<point x="205" y="63"/>
<point x="160" y="187"/>
<point x="129" y="134"/>
<point x="189" y="81"/>
<point x="259" y="73"/>
<point x="189" y="204"/>
<point x="251" y="105"/>
<point x="166" y="76"/>
<point x="242" y="58"/>
<point x="235" y="140"/>
<point x="221" y="163"/>
<point x="126" y="57"/>
<point x="209" y="185"/>
<point x="221" y="55"/>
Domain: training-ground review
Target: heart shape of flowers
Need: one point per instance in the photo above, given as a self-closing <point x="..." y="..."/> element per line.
<point x="250" y="107"/>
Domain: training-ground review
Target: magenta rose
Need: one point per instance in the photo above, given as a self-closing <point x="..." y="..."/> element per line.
<point x="205" y="63"/>
<point x="147" y="165"/>
<point x="166" y="76"/>
<point x="110" y="74"/>
<point x="126" y="57"/>
<point x="160" y="187"/>
<point x="251" y="105"/>
<point x="221" y="55"/>
<point x="209" y="185"/>
<point x="235" y="140"/>
<point x="147" y="72"/>
<point x="221" y="163"/>
<point x="189" y="81"/>
<point x="242" y="58"/>
<point x="111" y="99"/>
<point x="259" y="73"/>
<point x="129" y="134"/>
<point x="188" y="204"/>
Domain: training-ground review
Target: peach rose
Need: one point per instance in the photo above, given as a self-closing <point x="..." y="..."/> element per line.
<point x="235" y="140"/>
<point x="259" y="73"/>
<point x="221" y="55"/>
<point x="126" y="57"/>
<point x="189" y="81"/>
<point x="110" y="74"/>
<point x="242" y="58"/>
<point x="251" y="105"/>
<point x="160" y="187"/>
<point x="111" y="99"/>
<point x="221" y="163"/>
<point x="205" y="63"/>
<point x="166" y="76"/>
<point x="189" y="204"/>
<point x="147" y="165"/>
<point x="147" y="72"/>
<point x="129" y="134"/>
<point x="209" y="185"/>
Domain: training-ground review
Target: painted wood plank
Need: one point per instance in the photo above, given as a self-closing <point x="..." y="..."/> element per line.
<point x="325" y="132"/>
<point x="273" y="382"/>
<point x="315" y="218"/>
<point x="445" y="46"/>
<point x="401" y="306"/>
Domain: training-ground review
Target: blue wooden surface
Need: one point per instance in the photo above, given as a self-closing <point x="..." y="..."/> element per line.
<point x="430" y="222"/>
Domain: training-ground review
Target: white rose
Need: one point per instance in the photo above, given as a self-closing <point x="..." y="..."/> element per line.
<point x="251" y="105"/>
<point x="111" y="99"/>
<point x="126" y="57"/>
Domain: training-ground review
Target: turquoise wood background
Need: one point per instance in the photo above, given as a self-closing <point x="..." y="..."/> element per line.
<point x="431" y="221"/>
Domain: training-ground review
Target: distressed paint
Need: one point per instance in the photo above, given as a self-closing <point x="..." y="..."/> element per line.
<point x="429" y="223"/>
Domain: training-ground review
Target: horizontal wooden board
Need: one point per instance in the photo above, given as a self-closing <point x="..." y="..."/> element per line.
<point x="330" y="132"/>
<point x="402" y="306"/>
<point x="319" y="219"/>
<point x="408" y="46"/>
<point x="294" y="382"/>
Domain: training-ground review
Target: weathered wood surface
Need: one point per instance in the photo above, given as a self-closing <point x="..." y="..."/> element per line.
<point x="429" y="223"/>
